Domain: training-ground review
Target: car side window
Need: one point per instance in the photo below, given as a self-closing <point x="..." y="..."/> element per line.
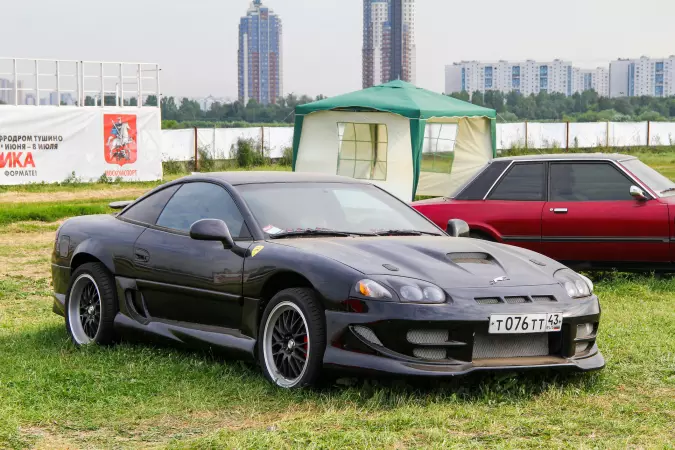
<point x="148" y="210"/>
<point x="588" y="182"/>
<point x="523" y="182"/>
<point x="196" y="201"/>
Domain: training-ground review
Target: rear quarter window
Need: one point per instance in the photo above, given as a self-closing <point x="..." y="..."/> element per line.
<point x="477" y="188"/>
<point x="148" y="210"/>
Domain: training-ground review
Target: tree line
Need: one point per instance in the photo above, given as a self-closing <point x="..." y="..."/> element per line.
<point x="185" y="112"/>
<point x="587" y="106"/>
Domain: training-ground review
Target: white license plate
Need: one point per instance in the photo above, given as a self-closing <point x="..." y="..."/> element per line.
<point x="525" y="323"/>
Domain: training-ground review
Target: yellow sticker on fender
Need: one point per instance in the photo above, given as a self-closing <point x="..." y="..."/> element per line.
<point x="256" y="250"/>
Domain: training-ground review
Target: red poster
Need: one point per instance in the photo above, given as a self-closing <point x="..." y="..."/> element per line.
<point x="120" y="138"/>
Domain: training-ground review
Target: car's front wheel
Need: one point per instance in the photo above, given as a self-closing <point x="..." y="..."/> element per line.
<point x="292" y="338"/>
<point x="91" y="305"/>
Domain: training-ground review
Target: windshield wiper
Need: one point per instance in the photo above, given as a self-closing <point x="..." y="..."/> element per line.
<point x="670" y="189"/>
<point x="405" y="233"/>
<point x="317" y="232"/>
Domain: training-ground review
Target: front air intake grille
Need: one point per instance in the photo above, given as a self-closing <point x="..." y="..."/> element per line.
<point x="427" y="337"/>
<point x="430" y="353"/>
<point x="368" y="335"/>
<point x="488" y="301"/>
<point x="516" y="300"/>
<point x="509" y="345"/>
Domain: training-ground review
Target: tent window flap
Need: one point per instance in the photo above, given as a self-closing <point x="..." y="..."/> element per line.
<point x="438" y="153"/>
<point x="363" y="151"/>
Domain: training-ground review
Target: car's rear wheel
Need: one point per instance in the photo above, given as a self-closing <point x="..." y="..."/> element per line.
<point x="91" y="305"/>
<point x="292" y="338"/>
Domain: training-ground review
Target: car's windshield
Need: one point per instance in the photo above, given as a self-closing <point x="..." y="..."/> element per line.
<point x="352" y="208"/>
<point x="653" y="179"/>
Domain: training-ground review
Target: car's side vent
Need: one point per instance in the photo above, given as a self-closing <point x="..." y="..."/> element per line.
<point x="516" y="300"/>
<point x="543" y="298"/>
<point x="470" y="258"/>
<point x="488" y="301"/>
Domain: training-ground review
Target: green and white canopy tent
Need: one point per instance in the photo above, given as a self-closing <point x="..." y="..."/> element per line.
<point x="403" y="138"/>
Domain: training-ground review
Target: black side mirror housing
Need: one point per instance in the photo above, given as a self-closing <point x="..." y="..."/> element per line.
<point x="212" y="230"/>
<point x="458" y="228"/>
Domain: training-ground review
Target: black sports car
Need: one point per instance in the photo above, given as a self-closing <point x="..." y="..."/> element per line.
<point x="305" y="272"/>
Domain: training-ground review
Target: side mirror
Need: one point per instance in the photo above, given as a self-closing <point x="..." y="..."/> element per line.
<point x="637" y="193"/>
<point x="212" y="230"/>
<point x="458" y="228"/>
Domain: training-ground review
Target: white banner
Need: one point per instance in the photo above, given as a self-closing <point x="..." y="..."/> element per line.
<point x="587" y="135"/>
<point x="179" y="145"/>
<point x="627" y="134"/>
<point x="546" y="135"/>
<point x="510" y="135"/>
<point x="44" y="144"/>
<point x="662" y="133"/>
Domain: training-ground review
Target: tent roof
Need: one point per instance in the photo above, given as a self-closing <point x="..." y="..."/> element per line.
<point x="401" y="98"/>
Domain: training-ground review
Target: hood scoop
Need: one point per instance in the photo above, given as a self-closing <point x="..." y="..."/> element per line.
<point x="471" y="258"/>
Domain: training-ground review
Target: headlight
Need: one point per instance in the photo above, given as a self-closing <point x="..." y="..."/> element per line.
<point x="577" y="286"/>
<point x="416" y="291"/>
<point x="371" y="289"/>
<point x="408" y="290"/>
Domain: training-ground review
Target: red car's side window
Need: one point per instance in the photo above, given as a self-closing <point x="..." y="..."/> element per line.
<point x="588" y="182"/>
<point x="522" y="182"/>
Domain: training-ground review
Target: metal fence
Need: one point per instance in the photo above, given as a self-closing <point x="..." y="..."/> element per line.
<point x="43" y="82"/>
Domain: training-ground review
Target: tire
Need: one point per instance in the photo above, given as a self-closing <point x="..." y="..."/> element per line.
<point x="284" y="361"/>
<point x="91" y="305"/>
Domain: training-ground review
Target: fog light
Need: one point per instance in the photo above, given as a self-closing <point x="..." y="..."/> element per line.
<point x="584" y="330"/>
<point x="368" y="335"/>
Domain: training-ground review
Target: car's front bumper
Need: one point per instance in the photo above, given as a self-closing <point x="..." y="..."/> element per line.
<point x="336" y="358"/>
<point x="388" y="349"/>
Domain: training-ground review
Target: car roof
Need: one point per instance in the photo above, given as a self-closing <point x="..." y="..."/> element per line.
<point x="584" y="156"/>
<point x="246" y="177"/>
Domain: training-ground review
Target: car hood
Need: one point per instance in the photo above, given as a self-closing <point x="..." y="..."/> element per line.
<point x="445" y="261"/>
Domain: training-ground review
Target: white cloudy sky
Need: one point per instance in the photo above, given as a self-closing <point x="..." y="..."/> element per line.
<point x="196" y="41"/>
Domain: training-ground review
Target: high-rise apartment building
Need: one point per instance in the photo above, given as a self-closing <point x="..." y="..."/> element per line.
<point x="527" y="77"/>
<point x="643" y="76"/>
<point x="595" y="79"/>
<point x="389" y="51"/>
<point x="7" y="92"/>
<point x="260" y="55"/>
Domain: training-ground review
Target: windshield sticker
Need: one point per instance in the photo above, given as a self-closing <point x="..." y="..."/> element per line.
<point x="271" y="229"/>
<point x="256" y="250"/>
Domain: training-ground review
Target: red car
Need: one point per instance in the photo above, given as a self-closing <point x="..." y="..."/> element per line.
<point x="594" y="211"/>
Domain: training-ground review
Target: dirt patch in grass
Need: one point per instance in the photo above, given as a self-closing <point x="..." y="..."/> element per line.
<point x="20" y="240"/>
<point x="26" y="254"/>
<point x="29" y="227"/>
<point x="158" y="431"/>
<point x="101" y="193"/>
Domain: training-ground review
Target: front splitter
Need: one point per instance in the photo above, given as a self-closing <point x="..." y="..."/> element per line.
<point x="335" y="358"/>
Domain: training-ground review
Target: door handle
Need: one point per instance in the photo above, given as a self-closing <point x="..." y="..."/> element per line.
<point x="141" y="255"/>
<point x="559" y="210"/>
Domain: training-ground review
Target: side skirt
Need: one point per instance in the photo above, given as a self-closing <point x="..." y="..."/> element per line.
<point x="134" y="320"/>
<point x="195" y="336"/>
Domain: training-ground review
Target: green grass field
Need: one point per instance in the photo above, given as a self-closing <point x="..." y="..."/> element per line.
<point x="135" y="395"/>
